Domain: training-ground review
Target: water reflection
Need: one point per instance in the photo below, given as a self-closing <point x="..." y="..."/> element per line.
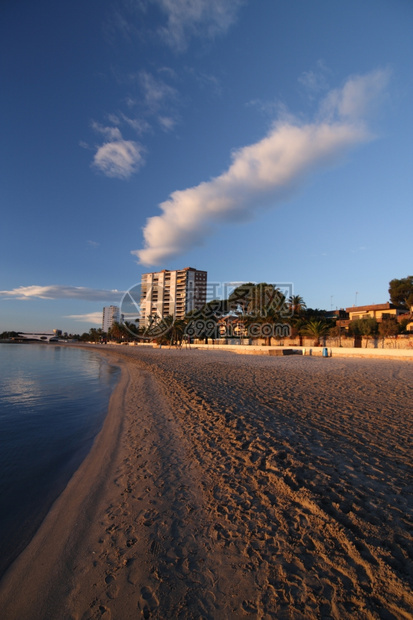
<point x="19" y="390"/>
<point x="53" y="401"/>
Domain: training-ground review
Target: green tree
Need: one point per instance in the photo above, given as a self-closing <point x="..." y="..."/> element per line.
<point x="119" y="332"/>
<point x="95" y="335"/>
<point x="178" y="332"/>
<point x="266" y="300"/>
<point x="336" y="332"/>
<point x="297" y="305"/>
<point x="155" y="327"/>
<point x="401" y="292"/>
<point x="366" y="328"/>
<point x="7" y="335"/>
<point x="160" y="330"/>
<point x="173" y="331"/>
<point x="131" y="329"/>
<point x="403" y="325"/>
<point x="315" y="328"/>
<point x="266" y="312"/>
<point x="216" y="308"/>
<point x="387" y="328"/>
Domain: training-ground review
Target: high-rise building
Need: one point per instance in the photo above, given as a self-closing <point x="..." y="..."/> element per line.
<point x="111" y="314"/>
<point x="172" y="293"/>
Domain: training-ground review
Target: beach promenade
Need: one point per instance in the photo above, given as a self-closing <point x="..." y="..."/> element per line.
<point x="233" y="486"/>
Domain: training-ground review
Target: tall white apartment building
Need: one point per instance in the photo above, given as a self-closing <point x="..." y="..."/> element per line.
<point x="111" y="314"/>
<point x="174" y="293"/>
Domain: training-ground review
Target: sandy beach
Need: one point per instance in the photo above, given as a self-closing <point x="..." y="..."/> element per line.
<point x="225" y="486"/>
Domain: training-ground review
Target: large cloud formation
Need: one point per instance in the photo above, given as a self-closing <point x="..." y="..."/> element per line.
<point x="263" y="174"/>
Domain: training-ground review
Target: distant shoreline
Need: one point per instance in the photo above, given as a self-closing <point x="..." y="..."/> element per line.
<point x="357" y="352"/>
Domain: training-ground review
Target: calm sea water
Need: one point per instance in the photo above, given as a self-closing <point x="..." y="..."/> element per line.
<point x="53" y="400"/>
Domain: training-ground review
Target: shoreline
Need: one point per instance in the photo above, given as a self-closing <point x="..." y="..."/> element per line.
<point x="231" y="486"/>
<point x="38" y="475"/>
<point x="54" y="546"/>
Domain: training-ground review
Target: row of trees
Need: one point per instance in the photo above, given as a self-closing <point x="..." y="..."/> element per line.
<point x="255" y="307"/>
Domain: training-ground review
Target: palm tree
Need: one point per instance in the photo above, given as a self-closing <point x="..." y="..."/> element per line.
<point x="95" y="335"/>
<point x="117" y="331"/>
<point x="315" y="329"/>
<point x="158" y="328"/>
<point x="296" y="304"/>
<point x="177" y="332"/>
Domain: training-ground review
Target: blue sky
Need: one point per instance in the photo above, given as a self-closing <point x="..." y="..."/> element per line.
<point x="259" y="140"/>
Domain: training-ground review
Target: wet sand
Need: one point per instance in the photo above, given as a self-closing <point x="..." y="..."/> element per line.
<point x="226" y="486"/>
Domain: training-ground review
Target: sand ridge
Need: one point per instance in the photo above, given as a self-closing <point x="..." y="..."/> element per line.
<point x="244" y="487"/>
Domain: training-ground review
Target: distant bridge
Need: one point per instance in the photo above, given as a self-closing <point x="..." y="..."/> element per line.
<point x="42" y="336"/>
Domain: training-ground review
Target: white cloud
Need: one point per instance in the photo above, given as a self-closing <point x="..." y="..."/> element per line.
<point x="119" y="159"/>
<point x="137" y="124"/>
<point x="357" y="96"/>
<point x="167" y="123"/>
<point x="93" y="317"/>
<point x="110" y="133"/>
<point x="186" y="18"/>
<point x="84" y="145"/>
<point x="57" y="291"/>
<point x="155" y="91"/>
<point x="263" y="173"/>
<point x="314" y="81"/>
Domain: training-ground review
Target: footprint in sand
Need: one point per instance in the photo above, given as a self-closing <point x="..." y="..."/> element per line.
<point x="134" y="571"/>
<point x="101" y="613"/>
<point x="112" y="590"/>
<point x="149" y="602"/>
<point x="249" y="606"/>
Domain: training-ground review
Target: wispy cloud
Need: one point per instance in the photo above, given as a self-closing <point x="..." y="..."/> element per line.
<point x="110" y="133"/>
<point x="167" y="123"/>
<point x="158" y="99"/>
<point x="92" y="317"/>
<point x="189" y="18"/>
<point x="315" y="80"/>
<point x="57" y="291"/>
<point x="93" y="244"/>
<point x="262" y="174"/>
<point x="182" y="19"/>
<point x="139" y="125"/>
<point x="155" y="91"/>
<point x="207" y="82"/>
<point x="358" y="96"/>
<point x="119" y="159"/>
